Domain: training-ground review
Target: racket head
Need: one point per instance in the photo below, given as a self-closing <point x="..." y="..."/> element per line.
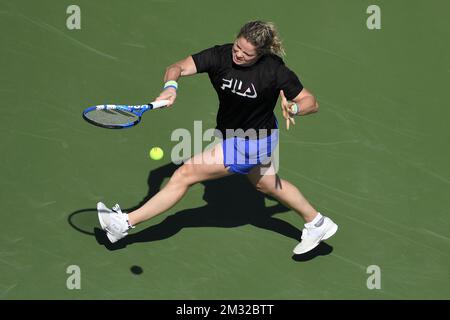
<point x="111" y="116"/>
<point x="118" y="116"/>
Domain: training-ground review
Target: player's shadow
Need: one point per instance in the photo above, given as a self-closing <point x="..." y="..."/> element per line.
<point x="230" y="202"/>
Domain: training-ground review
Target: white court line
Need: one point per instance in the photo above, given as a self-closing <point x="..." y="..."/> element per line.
<point x="323" y="50"/>
<point x="386" y="231"/>
<point x="354" y="114"/>
<point x="330" y="187"/>
<point x="50" y="28"/>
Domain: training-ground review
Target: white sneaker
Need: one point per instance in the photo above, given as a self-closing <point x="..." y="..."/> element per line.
<point x="313" y="234"/>
<point x="114" y="222"/>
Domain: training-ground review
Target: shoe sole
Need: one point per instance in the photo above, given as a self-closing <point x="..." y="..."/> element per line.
<point x="111" y="237"/>
<point x="330" y="232"/>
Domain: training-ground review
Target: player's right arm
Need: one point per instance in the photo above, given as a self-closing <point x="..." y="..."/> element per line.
<point x="185" y="67"/>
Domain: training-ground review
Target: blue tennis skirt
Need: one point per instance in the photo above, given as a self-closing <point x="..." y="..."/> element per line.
<point x="243" y="154"/>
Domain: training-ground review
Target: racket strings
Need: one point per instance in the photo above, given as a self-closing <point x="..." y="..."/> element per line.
<point x="112" y="117"/>
<point x="126" y="113"/>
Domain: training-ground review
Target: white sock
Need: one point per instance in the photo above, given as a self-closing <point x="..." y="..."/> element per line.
<point x="128" y="221"/>
<point x="315" y="220"/>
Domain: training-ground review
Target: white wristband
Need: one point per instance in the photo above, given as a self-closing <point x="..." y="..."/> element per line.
<point x="171" y="84"/>
<point x="295" y="109"/>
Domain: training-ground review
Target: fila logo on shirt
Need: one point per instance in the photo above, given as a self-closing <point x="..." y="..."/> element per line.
<point x="236" y="87"/>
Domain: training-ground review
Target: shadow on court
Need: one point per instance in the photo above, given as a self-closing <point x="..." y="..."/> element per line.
<point x="231" y="202"/>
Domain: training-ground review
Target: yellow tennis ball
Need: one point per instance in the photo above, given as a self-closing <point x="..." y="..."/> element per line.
<point x="156" y="153"/>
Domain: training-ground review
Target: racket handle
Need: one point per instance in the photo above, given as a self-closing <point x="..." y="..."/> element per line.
<point x="159" y="104"/>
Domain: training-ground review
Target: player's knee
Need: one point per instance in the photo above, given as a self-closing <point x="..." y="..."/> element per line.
<point x="264" y="187"/>
<point x="184" y="175"/>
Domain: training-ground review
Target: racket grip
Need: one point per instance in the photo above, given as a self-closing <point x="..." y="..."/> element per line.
<point x="159" y="103"/>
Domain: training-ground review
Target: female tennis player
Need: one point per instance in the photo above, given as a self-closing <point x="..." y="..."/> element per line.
<point x="248" y="76"/>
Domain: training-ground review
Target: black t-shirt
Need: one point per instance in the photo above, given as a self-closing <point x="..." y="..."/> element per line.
<point x="247" y="95"/>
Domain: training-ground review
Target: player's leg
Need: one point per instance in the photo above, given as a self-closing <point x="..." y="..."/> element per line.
<point x="282" y="190"/>
<point x="204" y="166"/>
<point x="317" y="227"/>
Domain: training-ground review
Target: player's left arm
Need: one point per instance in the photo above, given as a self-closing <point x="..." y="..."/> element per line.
<point x="306" y="103"/>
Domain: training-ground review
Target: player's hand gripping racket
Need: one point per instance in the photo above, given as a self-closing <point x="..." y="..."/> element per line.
<point x="119" y="116"/>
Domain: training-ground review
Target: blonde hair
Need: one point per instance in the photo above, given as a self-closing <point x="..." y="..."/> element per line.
<point x="264" y="36"/>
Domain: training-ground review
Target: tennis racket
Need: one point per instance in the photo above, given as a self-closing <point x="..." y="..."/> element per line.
<point x="119" y="116"/>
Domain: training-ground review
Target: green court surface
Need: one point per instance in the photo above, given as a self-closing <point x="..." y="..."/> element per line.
<point x="375" y="158"/>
